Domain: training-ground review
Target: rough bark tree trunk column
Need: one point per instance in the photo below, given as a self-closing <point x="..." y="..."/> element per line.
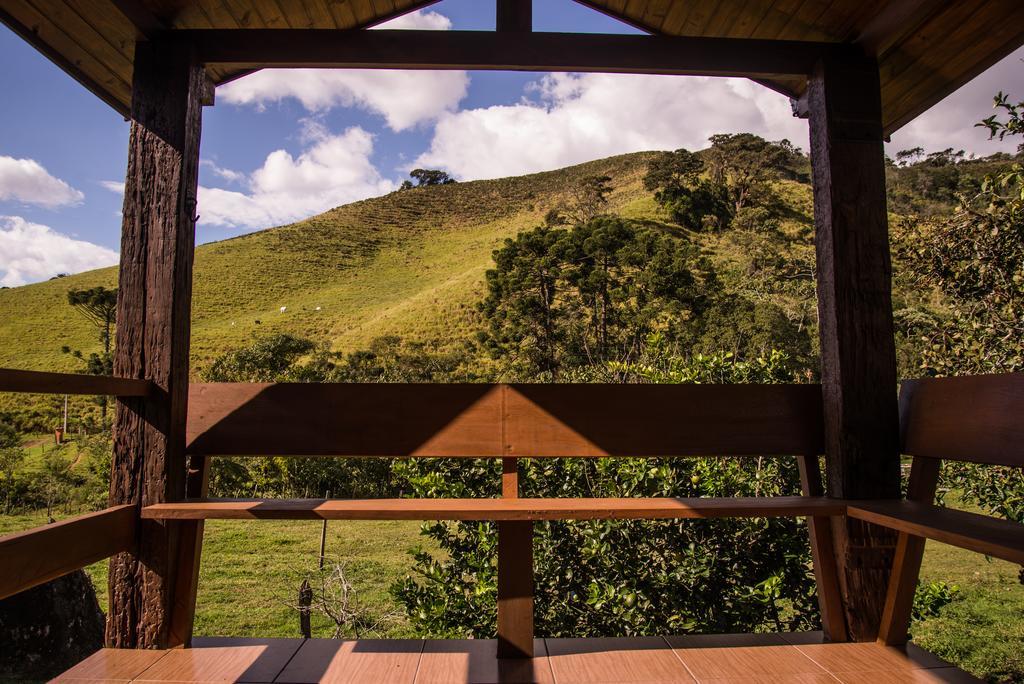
<point x="858" y="354"/>
<point x="153" y="328"/>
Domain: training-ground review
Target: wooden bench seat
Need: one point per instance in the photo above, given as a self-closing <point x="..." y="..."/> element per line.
<point x="495" y="509"/>
<point x="984" y="534"/>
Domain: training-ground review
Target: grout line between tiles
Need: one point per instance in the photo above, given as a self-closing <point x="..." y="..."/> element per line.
<point x="416" y="673"/>
<point x="148" y="667"/>
<point x="681" y="661"/>
<point x="289" y="661"/>
<point x="547" y="657"/>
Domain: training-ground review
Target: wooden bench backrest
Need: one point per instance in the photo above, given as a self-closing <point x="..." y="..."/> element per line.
<point x="978" y="418"/>
<point x="479" y="420"/>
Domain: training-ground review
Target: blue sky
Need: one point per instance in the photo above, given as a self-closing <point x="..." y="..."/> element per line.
<point x="280" y="146"/>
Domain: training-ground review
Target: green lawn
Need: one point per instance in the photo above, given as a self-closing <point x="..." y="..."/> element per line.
<point x="252" y="570"/>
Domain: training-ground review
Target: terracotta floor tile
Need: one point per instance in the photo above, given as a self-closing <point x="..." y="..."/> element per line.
<point x="112" y="665"/>
<point x="619" y="660"/>
<point x="475" y="661"/>
<point x="942" y="675"/>
<point x="753" y="655"/>
<point x="861" y="657"/>
<point x="333" y="661"/>
<point x="224" y="660"/>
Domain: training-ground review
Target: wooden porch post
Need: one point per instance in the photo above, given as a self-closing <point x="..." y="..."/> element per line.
<point x="858" y="353"/>
<point x="153" y="328"/>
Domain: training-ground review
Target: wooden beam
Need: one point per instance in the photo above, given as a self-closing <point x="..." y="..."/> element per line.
<point x="508" y="51"/>
<point x="142" y="18"/>
<point x="514" y="16"/>
<point x="478" y="420"/>
<point x="826" y="576"/>
<point x="71" y="383"/>
<point x="36" y="556"/>
<point x="153" y="319"/>
<point x="858" y="354"/>
<point x="984" y="534"/>
<point x="975" y="418"/>
<point x="190" y="551"/>
<point x="906" y="567"/>
<point x="496" y="509"/>
<point x="515" y="574"/>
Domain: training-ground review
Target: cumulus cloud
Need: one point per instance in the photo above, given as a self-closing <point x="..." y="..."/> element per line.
<point x="403" y="98"/>
<point x="571" y="118"/>
<point x="30" y="252"/>
<point x="25" y="180"/>
<point x="951" y="122"/>
<point x="334" y="169"/>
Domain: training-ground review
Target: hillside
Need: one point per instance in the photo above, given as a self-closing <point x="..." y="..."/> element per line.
<point x="409" y="263"/>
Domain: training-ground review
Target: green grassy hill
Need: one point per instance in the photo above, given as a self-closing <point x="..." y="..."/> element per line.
<point x="409" y="263"/>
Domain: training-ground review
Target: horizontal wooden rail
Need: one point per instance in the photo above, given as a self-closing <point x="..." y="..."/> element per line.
<point x="977" y="418"/>
<point x="496" y="509"/>
<point x="71" y="383"/>
<point x="479" y="420"/>
<point x="39" y="555"/>
<point x="984" y="534"/>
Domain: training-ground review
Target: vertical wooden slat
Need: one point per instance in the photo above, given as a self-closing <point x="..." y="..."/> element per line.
<point x="515" y="574"/>
<point x="899" y="600"/>
<point x="197" y="486"/>
<point x="858" y="354"/>
<point x="153" y="327"/>
<point x="826" y="576"/>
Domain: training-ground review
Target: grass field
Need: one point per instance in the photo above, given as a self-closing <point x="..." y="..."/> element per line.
<point x="251" y="572"/>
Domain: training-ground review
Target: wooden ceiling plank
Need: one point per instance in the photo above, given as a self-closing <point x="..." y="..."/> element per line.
<point x="115" y="29"/>
<point x="895" y="22"/>
<point x="751" y="17"/>
<point x="68" y="56"/>
<point x="144" y="21"/>
<point x="321" y="14"/>
<point x="344" y="15"/>
<point x="698" y="20"/>
<point x="725" y="17"/>
<point x="980" y="46"/>
<point x="246" y="15"/>
<point x="655" y="13"/>
<point x="803" y="24"/>
<point x="219" y="14"/>
<point x="676" y="18"/>
<point x="775" y="19"/>
<point x="67" y="27"/>
<point x="364" y="12"/>
<point x="916" y="60"/>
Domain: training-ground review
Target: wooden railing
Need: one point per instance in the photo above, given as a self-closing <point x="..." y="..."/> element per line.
<point x="39" y="555"/>
<point x="977" y="419"/>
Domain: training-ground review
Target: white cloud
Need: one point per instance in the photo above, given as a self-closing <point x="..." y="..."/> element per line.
<point x="403" y="98"/>
<point x="951" y="122"/>
<point x="230" y="175"/>
<point x="579" y="117"/>
<point x="113" y="186"/>
<point x="332" y="170"/>
<point x="420" y="19"/>
<point x="30" y="252"/>
<point x="25" y="180"/>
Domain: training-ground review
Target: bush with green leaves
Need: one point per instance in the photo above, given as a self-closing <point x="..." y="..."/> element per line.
<point x="624" y="577"/>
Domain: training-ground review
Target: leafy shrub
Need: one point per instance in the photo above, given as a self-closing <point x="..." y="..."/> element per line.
<point x="930" y="598"/>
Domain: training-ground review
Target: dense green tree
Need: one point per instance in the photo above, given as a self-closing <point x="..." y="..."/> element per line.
<point x="693" y="202"/>
<point x="747" y="164"/>
<point x="428" y="177"/>
<point x="587" y="295"/>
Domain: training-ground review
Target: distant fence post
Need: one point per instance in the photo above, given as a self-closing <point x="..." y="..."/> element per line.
<point x="305" y="601"/>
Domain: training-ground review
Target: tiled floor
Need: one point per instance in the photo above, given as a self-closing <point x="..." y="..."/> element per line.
<point x="715" y="659"/>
